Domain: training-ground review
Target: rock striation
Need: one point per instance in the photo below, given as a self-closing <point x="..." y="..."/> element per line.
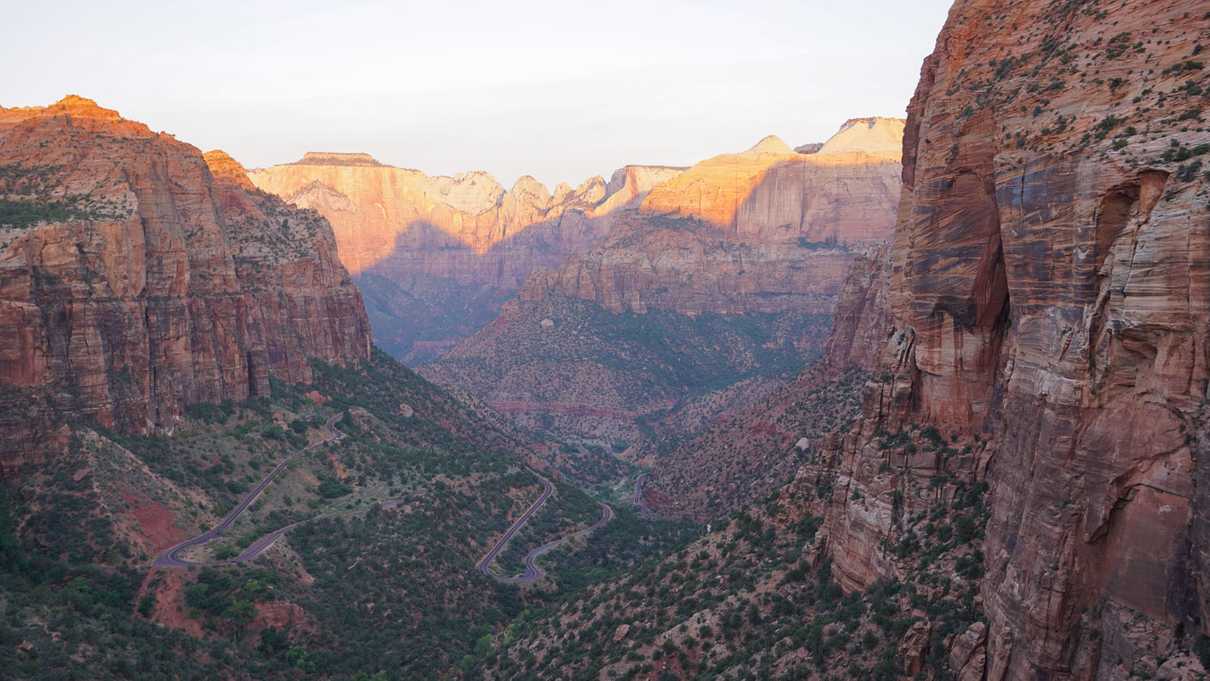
<point x="1049" y="298"/>
<point x="138" y="277"/>
<point x="437" y="256"/>
<point x="843" y="193"/>
<point x="765" y="279"/>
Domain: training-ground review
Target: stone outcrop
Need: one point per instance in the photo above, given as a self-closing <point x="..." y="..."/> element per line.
<point x="135" y="279"/>
<point x="845" y="192"/>
<point x="437" y="256"/>
<point x="766" y="230"/>
<point x="861" y="320"/>
<point x="1049" y="296"/>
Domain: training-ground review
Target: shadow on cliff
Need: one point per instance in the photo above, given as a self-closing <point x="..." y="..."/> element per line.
<point x="432" y="290"/>
<point x="803" y="212"/>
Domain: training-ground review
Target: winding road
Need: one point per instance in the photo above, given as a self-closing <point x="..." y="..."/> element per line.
<point x="533" y="572"/>
<point x="485" y="563"/>
<point x="171" y="557"/>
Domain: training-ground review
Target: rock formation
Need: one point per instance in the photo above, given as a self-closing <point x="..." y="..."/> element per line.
<point x="757" y="242"/>
<point x="136" y="280"/>
<point x="437" y="256"/>
<point x="1049" y="296"/>
<point x="840" y="193"/>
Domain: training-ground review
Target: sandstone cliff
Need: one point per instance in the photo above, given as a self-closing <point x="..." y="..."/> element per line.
<point x="136" y="280"/>
<point x="845" y="192"/>
<point x="766" y="285"/>
<point x="1050" y="336"/>
<point x="767" y="230"/>
<point x="437" y="256"/>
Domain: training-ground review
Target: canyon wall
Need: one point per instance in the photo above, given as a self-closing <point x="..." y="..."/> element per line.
<point x="136" y="280"/>
<point x="437" y="256"/>
<point x="724" y="275"/>
<point x="1050" y="301"/>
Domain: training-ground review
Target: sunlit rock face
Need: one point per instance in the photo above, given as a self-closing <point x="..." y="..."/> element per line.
<point x="136" y="279"/>
<point x="845" y="192"/>
<point x="1050" y="294"/>
<point x="437" y="256"/>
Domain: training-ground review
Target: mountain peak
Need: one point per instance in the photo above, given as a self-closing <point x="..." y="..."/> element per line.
<point x="224" y="167"/>
<point x="875" y="135"/>
<point x="75" y="105"/>
<point x="771" y="144"/>
<point x="337" y="158"/>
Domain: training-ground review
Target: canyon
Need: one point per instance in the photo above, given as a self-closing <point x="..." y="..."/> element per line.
<point x="927" y="400"/>
<point x="724" y="275"/>
<point x="436" y="257"/>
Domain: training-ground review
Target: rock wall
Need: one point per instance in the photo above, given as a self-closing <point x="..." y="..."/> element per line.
<point x="765" y="230"/>
<point x="846" y="192"/>
<point x="437" y="256"/>
<point x="861" y="320"/>
<point x="135" y="281"/>
<point x="1049" y="293"/>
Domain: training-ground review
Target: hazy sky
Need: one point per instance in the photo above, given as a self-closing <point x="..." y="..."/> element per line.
<point x="560" y="90"/>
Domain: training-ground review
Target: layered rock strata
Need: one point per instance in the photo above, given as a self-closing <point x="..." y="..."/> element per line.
<point x="765" y="277"/>
<point x="1050" y="297"/>
<point x="135" y="279"/>
<point x="437" y="256"/>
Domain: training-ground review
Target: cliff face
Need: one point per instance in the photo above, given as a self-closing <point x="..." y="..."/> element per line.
<point x="134" y="280"/>
<point x="845" y="192"/>
<point x="766" y="230"/>
<point x="1049" y="294"/>
<point x="752" y="247"/>
<point x="437" y="256"/>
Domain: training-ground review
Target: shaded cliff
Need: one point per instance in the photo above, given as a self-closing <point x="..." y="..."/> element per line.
<point x="437" y="256"/>
<point x="134" y="281"/>
<point x="1050" y="305"/>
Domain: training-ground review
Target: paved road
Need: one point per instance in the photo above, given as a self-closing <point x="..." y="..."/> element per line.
<point x="533" y="572"/>
<point x="171" y="557"/>
<point x="485" y="563"/>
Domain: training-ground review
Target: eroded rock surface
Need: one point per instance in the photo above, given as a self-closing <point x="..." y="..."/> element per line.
<point x="135" y="280"/>
<point x="437" y="256"/>
<point x="749" y="292"/>
<point x="1050" y="298"/>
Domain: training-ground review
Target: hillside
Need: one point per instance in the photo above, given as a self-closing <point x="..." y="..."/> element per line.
<point x="133" y="283"/>
<point x="747" y="453"/>
<point x="1021" y="496"/>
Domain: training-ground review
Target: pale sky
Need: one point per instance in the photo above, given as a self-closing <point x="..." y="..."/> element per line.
<point x="558" y="90"/>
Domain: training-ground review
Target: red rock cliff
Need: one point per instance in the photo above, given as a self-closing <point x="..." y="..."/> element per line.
<point x="134" y="280"/>
<point x="1050" y="293"/>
